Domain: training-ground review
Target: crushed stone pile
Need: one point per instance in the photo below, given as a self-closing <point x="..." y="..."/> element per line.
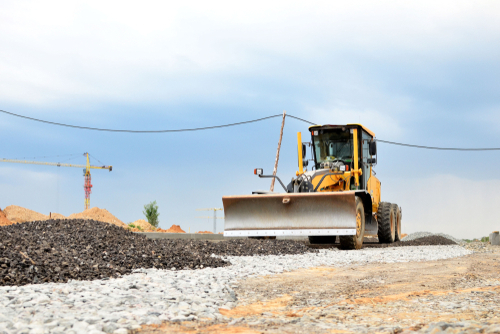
<point x="101" y="215"/>
<point x="249" y="247"/>
<point x="424" y="241"/>
<point x="205" y="232"/>
<point x="143" y="225"/>
<point x="481" y="247"/>
<point x="17" y="214"/>
<point x="78" y="249"/>
<point x="418" y="235"/>
<point x="3" y="219"/>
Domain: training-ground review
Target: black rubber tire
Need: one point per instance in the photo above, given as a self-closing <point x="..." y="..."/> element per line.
<point x="397" y="212"/>
<point x="386" y="223"/>
<point x="262" y="238"/>
<point x="322" y="239"/>
<point x="355" y="241"/>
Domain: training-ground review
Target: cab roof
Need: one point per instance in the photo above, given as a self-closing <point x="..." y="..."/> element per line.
<point x="349" y="126"/>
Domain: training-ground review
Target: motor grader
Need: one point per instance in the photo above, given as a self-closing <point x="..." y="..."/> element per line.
<point x="339" y="196"/>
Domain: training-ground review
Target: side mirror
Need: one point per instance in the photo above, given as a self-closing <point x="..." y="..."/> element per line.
<point x="304" y="151"/>
<point x="373" y="148"/>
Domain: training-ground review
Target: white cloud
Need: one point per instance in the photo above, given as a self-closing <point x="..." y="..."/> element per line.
<point x="464" y="208"/>
<point x="121" y="51"/>
<point x="383" y="124"/>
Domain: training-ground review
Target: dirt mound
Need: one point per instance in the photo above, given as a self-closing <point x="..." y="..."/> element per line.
<point x="205" y="232"/>
<point x="17" y="214"/>
<point x="172" y="229"/>
<point x="3" y="219"/>
<point x="101" y="215"/>
<point x="143" y="225"/>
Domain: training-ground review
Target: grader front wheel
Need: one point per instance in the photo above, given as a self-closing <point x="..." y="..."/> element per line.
<point x="355" y="241"/>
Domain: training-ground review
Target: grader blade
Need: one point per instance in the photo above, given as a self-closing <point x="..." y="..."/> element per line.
<point x="292" y="214"/>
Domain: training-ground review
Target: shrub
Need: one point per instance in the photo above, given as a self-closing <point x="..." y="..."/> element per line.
<point x="151" y="213"/>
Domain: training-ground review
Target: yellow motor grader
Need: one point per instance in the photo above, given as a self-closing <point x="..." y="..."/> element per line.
<point x="339" y="196"/>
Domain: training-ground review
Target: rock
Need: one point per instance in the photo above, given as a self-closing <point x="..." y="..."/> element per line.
<point x="121" y="331"/>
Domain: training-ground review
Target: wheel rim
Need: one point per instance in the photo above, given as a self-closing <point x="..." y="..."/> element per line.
<point x="399" y="225"/>
<point x="358" y="224"/>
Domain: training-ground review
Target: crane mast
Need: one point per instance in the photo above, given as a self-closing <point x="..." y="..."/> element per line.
<point x="87" y="186"/>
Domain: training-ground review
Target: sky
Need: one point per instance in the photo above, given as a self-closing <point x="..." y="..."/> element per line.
<point x="424" y="73"/>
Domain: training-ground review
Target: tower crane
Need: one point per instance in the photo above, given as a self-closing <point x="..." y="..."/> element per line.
<point x="215" y="216"/>
<point x="86" y="172"/>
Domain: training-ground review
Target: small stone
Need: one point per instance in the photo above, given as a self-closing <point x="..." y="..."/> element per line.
<point x="121" y="331"/>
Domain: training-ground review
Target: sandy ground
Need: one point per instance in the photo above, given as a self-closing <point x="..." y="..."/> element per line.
<point x="407" y="295"/>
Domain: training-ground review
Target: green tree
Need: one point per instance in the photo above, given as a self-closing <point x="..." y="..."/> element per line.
<point x="151" y="213"/>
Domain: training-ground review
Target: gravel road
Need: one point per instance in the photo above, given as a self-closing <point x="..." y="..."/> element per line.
<point x="455" y="295"/>
<point x="150" y="296"/>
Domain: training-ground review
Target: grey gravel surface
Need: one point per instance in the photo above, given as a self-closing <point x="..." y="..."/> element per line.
<point x="150" y="296"/>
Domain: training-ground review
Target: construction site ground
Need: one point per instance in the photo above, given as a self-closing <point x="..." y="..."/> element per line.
<point x="415" y="296"/>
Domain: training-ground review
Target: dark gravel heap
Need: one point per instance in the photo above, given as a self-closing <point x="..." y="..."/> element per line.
<point x="59" y="250"/>
<point x="249" y="247"/>
<point x="425" y="241"/>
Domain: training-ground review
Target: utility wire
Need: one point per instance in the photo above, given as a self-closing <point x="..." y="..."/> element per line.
<point x="241" y="123"/>
<point x="440" y="148"/>
<point x="139" y="131"/>
<point x="300" y="119"/>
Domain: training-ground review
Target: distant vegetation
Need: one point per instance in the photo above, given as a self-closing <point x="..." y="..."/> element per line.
<point x="483" y="239"/>
<point x="151" y="213"/>
<point x="131" y="225"/>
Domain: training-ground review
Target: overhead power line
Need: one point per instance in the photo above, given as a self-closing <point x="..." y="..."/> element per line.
<point x="138" y="131"/>
<point x="239" y="123"/>
<point x="300" y="119"/>
<point x="440" y="148"/>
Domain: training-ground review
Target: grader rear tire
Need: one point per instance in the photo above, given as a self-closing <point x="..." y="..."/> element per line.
<point x="397" y="211"/>
<point x="386" y="217"/>
<point x="355" y="241"/>
<point x="322" y="239"/>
